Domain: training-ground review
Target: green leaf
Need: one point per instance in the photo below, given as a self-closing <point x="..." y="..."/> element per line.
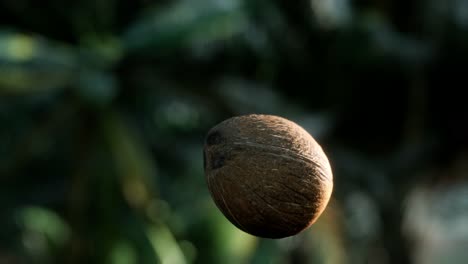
<point x="31" y="64"/>
<point x="123" y="253"/>
<point x="187" y="24"/>
<point x="165" y="245"/>
<point x="133" y="162"/>
<point x="46" y="222"/>
<point x="96" y="87"/>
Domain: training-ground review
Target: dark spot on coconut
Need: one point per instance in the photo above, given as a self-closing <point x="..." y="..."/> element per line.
<point x="214" y="138"/>
<point x="217" y="161"/>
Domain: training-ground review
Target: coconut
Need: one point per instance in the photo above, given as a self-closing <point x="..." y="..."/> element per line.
<point x="267" y="175"/>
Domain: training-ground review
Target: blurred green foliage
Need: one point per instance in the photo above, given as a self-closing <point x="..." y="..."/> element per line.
<point x="104" y="106"/>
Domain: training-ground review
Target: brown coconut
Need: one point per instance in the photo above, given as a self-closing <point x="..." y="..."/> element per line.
<point x="267" y="175"/>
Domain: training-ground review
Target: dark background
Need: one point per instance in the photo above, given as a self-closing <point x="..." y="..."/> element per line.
<point x="104" y="106"/>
